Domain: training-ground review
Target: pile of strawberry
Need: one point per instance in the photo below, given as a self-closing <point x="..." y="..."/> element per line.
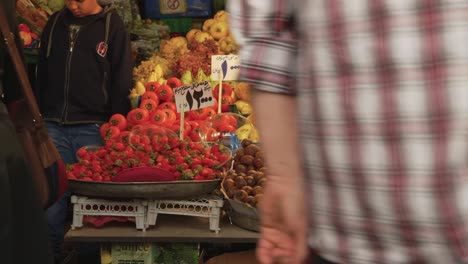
<point x="186" y="160"/>
<point x="149" y="137"/>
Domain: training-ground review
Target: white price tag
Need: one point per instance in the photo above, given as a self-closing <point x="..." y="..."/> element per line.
<point x="193" y="96"/>
<point x="225" y="67"/>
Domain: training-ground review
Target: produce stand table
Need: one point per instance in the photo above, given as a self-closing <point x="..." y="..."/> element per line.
<point x="170" y="228"/>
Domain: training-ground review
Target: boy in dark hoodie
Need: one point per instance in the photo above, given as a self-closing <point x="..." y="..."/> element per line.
<point x="84" y="77"/>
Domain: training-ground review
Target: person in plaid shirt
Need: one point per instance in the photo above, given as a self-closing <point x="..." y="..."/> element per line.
<point x="380" y="92"/>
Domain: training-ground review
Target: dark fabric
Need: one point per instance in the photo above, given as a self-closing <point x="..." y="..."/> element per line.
<point x="79" y="85"/>
<point x="23" y="233"/>
<point x="8" y="82"/>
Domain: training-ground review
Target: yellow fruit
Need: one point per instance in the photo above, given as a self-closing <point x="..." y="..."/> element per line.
<point x="26" y="37"/>
<point x="207" y="24"/>
<point x="244" y="107"/>
<point x="244" y="131"/>
<point x="187" y="77"/>
<point x="191" y="34"/>
<point x="200" y="37"/>
<point x="162" y="81"/>
<point x="219" y="30"/>
<point x="251" y="118"/>
<point x="242" y="91"/>
<point x="253" y="136"/>
<point x="228" y="45"/>
<point x="221" y="15"/>
<point x="140" y="88"/>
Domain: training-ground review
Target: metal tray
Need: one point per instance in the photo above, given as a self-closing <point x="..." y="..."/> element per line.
<point x="156" y="190"/>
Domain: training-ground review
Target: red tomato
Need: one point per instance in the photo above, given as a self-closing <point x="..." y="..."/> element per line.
<point x="170" y="114"/>
<point x="227" y="90"/>
<point x="210" y="112"/>
<point x="150" y="95"/>
<point x="194" y="124"/>
<point x="168" y="105"/>
<point x="220" y="119"/>
<point x="111" y="133"/>
<point x="165" y="93"/>
<point x="158" y="117"/>
<point x="174" y="82"/>
<point x="215" y="105"/>
<point x="138" y="116"/>
<point x="119" y="121"/>
<point x="231" y="119"/>
<point x="200" y="114"/>
<point x="103" y="129"/>
<point x="149" y="104"/>
<point x="124" y="137"/>
<point x="176" y="128"/>
<point x="225" y="102"/>
<point x="151" y="86"/>
<point x="226" y="128"/>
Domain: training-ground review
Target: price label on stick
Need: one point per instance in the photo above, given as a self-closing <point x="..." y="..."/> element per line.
<point x="193" y="96"/>
<point x="225" y="67"/>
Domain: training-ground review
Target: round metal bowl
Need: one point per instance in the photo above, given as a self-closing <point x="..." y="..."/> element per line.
<point x="245" y="221"/>
<point x="243" y="215"/>
<point x="154" y="190"/>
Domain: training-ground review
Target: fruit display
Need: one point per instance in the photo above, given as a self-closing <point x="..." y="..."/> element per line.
<point x="189" y="60"/>
<point x="28" y="37"/>
<point x="244" y="183"/>
<point x="33" y="13"/>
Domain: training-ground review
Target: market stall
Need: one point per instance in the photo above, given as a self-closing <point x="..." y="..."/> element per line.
<point x="185" y="164"/>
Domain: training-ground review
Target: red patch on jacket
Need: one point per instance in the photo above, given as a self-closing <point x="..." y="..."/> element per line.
<point x="101" y="49"/>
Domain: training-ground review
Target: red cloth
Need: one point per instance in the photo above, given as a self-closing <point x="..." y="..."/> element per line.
<point x="99" y="221"/>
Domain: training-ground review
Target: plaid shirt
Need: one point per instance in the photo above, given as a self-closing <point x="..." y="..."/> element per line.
<point x="382" y="88"/>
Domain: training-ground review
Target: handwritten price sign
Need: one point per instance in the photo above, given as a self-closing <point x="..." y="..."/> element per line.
<point x="193" y="97"/>
<point x="225" y="67"/>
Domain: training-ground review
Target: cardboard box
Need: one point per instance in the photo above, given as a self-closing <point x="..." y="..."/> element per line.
<point x="141" y="253"/>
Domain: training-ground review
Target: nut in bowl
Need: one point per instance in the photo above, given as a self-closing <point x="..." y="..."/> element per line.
<point x="241" y="201"/>
<point x="243" y="185"/>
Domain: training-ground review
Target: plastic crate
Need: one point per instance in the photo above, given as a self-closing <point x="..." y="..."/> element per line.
<point x="145" y="212"/>
<point x="208" y="207"/>
<point x="178" y="25"/>
<point x="84" y="206"/>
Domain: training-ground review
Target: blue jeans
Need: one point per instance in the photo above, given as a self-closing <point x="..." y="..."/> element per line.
<point x="68" y="139"/>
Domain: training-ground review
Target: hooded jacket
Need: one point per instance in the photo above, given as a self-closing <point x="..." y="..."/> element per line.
<point x="85" y="73"/>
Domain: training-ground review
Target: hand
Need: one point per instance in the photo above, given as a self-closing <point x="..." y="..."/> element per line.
<point x="283" y="219"/>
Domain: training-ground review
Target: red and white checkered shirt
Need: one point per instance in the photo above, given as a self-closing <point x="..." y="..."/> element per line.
<point x="383" y="96"/>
